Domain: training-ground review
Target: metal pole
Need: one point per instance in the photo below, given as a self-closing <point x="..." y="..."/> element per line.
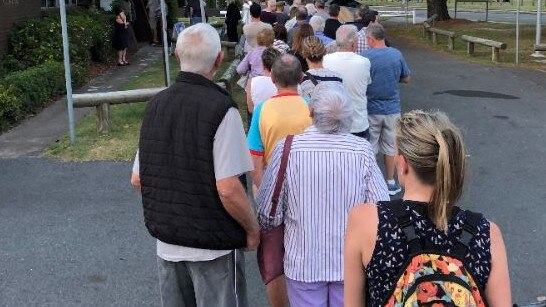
<point x="165" y="44"/>
<point x="406" y="9"/>
<point x="517" y="32"/>
<point x="202" y="7"/>
<point x="538" y="54"/>
<point x="67" y="75"/>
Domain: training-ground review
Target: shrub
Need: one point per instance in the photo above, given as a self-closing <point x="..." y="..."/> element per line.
<point x="38" y="40"/>
<point x="33" y="88"/>
<point x="10" y="106"/>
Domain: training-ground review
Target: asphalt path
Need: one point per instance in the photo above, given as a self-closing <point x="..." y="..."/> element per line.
<point x="73" y="233"/>
<point x="475" y="15"/>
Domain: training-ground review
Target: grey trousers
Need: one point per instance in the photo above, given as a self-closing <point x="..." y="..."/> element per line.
<point x="204" y="283"/>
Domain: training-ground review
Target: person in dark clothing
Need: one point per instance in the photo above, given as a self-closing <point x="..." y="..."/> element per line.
<point x="332" y="23"/>
<point x="120" y="40"/>
<point x="233" y="16"/>
<point x="282" y="17"/>
<point x="195" y="11"/>
<point x="268" y="15"/>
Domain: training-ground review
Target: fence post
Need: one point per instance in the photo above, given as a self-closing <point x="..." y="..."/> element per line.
<point x="103" y="118"/>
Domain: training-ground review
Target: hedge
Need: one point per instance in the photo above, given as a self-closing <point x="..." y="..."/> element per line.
<point x="39" y="39"/>
<point x="24" y="92"/>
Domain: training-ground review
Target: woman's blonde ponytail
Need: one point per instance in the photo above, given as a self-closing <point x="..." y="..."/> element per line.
<point x="433" y="146"/>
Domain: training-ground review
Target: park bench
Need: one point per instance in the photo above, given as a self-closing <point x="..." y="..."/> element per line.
<point x="541" y="47"/>
<point x="450" y="36"/>
<point x="495" y="46"/>
<point x="429" y="23"/>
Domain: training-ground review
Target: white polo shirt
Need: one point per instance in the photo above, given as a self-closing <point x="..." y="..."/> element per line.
<point x="355" y="72"/>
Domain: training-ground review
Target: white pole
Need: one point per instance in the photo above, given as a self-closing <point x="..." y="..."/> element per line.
<point x="202" y="7"/>
<point x="67" y="75"/>
<point x="165" y="43"/>
<point x="517" y="32"/>
<point x="406" y="8"/>
<point x="538" y="29"/>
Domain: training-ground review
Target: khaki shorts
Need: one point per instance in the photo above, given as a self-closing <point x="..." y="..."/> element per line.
<point x="382" y="133"/>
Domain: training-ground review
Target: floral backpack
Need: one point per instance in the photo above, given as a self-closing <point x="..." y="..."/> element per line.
<point x="431" y="277"/>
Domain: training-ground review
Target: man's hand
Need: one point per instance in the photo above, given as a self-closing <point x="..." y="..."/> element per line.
<point x="135" y="181"/>
<point x="252" y="240"/>
<point x="233" y="197"/>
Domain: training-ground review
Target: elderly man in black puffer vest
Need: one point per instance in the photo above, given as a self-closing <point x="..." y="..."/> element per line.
<point x="192" y="150"/>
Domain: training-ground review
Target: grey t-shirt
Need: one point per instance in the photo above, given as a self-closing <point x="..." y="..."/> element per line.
<point x="231" y="158"/>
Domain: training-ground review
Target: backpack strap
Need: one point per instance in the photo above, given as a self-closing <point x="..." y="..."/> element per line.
<point x="404" y="222"/>
<point x="470" y="229"/>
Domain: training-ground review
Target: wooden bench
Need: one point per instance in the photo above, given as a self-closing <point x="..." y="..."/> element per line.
<point x="495" y="46"/>
<point x="429" y="23"/>
<point x="450" y="36"/>
<point x="541" y="47"/>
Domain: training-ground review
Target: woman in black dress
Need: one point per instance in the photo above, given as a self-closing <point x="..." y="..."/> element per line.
<point x="120" y="41"/>
<point x="232" y="21"/>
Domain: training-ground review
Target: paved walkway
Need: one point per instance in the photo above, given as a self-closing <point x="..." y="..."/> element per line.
<point x="36" y="133"/>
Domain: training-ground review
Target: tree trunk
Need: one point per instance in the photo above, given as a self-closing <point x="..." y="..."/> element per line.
<point x="438" y="7"/>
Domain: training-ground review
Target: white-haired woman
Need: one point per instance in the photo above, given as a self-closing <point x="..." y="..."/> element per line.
<point x="430" y="161"/>
<point x="328" y="171"/>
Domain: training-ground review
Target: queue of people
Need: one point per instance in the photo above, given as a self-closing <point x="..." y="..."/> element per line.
<point x="315" y="131"/>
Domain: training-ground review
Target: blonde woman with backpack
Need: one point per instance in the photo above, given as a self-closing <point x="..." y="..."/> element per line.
<point x="423" y="250"/>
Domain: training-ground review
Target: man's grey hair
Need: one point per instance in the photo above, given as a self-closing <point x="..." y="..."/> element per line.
<point x="346" y="36"/>
<point x="286" y="71"/>
<point x="332" y="112"/>
<point x="197" y="48"/>
<point x="317" y="23"/>
<point x="376" y="31"/>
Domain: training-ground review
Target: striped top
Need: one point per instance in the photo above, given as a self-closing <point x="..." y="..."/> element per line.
<point x="327" y="175"/>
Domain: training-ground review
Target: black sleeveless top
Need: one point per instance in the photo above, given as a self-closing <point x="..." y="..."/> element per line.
<point x="391" y="250"/>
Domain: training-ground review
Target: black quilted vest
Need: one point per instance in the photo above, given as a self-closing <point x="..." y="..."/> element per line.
<point x="181" y="203"/>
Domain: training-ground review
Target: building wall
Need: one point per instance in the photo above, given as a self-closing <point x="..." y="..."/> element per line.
<point x="12" y="11"/>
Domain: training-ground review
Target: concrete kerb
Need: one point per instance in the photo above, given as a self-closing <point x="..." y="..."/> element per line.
<point x="35" y="134"/>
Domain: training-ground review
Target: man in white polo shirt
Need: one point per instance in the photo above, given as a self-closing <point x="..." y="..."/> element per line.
<point x="355" y="72"/>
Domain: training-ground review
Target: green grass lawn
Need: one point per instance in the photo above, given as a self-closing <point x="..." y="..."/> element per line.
<point x="494" y="31"/>
<point x="121" y="142"/>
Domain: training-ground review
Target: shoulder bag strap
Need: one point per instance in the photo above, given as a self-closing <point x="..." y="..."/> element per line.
<point x="311" y="77"/>
<point x="280" y="175"/>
